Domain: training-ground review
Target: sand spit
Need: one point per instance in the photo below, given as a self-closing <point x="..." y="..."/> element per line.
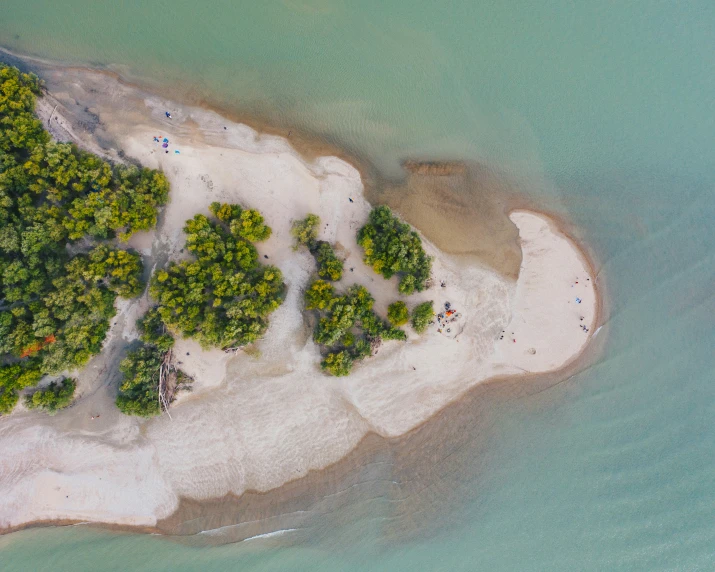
<point x="257" y="420"/>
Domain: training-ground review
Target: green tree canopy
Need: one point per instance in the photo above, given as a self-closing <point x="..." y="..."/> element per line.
<point x="57" y="395"/>
<point x="250" y="226"/>
<point x="153" y="331"/>
<point x="347" y="326"/>
<point x="13" y="378"/>
<point x="55" y="306"/>
<point x="422" y="315"/>
<point x="305" y="231"/>
<point x="319" y="296"/>
<point x="224" y="296"/>
<point x="330" y="267"/>
<point x="139" y="390"/>
<point x="338" y="363"/>
<point x="397" y="313"/>
<point x="392" y="247"/>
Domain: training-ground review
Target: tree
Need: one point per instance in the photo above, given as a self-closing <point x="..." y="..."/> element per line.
<point x="55" y="306"/>
<point x="422" y="315"/>
<point x="338" y="363"/>
<point x="139" y="391"/>
<point x="319" y="295"/>
<point x="153" y="331"/>
<point x="397" y="313"/>
<point x="141" y="369"/>
<point x="57" y="395"/>
<point x="250" y="226"/>
<point x="225" y="212"/>
<point x="347" y="326"/>
<point x="305" y="231"/>
<point x="391" y="247"/>
<point x="19" y="128"/>
<point x="330" y="266"/>
<point x="222" y="298"/>
<point x="13" y="378"/>
<point x="119" y="269"/>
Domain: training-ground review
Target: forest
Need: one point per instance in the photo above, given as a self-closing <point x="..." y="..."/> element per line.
<point x="222" y="297"/>
<point x="63" y="215"/>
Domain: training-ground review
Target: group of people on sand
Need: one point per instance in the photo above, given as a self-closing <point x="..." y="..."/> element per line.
<point x="163" y="140"/>
<point x="164" y="143"/>
<point x="447" y="317"/>
<point x="578" y="301"/>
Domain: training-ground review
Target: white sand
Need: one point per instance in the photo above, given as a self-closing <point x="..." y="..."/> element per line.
<point x="258" y="421"/>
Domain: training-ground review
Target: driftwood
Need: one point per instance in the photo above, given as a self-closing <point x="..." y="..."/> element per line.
<point x="167" y="382"/>
<point x="51" y="114"/>
<point x="375" y="343"/>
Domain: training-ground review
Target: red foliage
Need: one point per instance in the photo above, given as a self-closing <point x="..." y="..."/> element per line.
<point x="32" y="349"/>
<point x="37" y="346"/>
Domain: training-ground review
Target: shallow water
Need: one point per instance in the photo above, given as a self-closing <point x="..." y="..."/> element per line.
<point x="601" y="110"/>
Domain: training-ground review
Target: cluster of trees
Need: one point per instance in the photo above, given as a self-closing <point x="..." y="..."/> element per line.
<point x="14" y="378"/>
<point x="139" y="390"/>
<point x="141" y="369"/>
<point x="305" y="232"/>
<point x="392" y="247"/>
<point x="397" y="313"/>
<point x="224" y="296"/>
<point x="244" y="223"/>
<point x="57" y="395"/>
<point x="55" y="307"/>
<point x="422" y="315"/>
<point x="348" y="328"/>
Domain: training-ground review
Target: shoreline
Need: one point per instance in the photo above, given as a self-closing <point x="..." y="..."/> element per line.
<point x="318" y="481"/>
<point x="492" y="187"/>
<point x="314" y="477"/>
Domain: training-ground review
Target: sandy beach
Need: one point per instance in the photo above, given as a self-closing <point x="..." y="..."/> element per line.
<point x="256" y="420"/>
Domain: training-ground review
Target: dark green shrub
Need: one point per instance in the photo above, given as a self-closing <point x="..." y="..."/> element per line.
<point x="57" y="395"/>
<point x="397" y="313"/>
<point x="392" y="247"/>
<point x="421" y="316"/>
<point x="330" y="267"/>
<point x="305" y="231"/>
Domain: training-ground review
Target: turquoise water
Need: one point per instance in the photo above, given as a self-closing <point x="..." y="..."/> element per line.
<point x="605" y="108"/>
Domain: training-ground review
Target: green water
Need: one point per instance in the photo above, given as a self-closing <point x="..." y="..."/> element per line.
<point x="605" y="108"/>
